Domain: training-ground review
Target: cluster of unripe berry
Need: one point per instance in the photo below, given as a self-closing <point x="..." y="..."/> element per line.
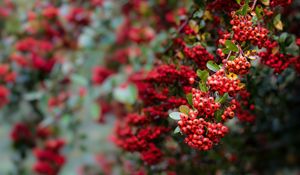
<point x="245" y="30"/>
<point x="221" y="83"/>
<point x="200" y="134"/>
<point x="204" y="103"/>
<point x="239" y="65"/>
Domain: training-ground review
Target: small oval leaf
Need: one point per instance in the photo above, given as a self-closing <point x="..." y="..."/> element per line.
<point x="184" y="109"/>
<point x="189" y="98"/>
<point x="175" y="115"/>
<point x="203" y="87"/>
<point x="277" y="22"/>
<point x="176" y="130"/>
<point x="202" y="74"/>
<point x="223" y="98"/>
<point x="212" y="66"/>
<point x="231" y="46"/>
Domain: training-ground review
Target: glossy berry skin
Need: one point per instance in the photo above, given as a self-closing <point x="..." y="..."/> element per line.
<point x="204" y="103"/>
<point x="198" y="54"/>
<point x="201" y="134"/>
<point x="221" y="83"/>
<point x="245" y="30"/>
<point x="239" y="65"/>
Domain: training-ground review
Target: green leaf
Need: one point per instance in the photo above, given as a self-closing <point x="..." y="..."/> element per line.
<point x="12" y="25"/>
<point x="202" y="74"/>
<point x="199" y="3"/>
<point x="277" y="22"/>
<point x="176" y="130"/>
<point x="220" y="66"/>
<point x="231" y="58"/>
<point x="203" y="87"/>
<point x="239" y="2"/>
<point x="259" y="11"/>
<point x="218" y="115"/>
<point x="95" y="111"/>
<point x="265" y="2"/>
<point x="125" y="95"/>
<point x="286" y="39"/>
<point x="283" y="37"/>
<point x="79" y="79"/>
<point x="225" y="51"/>
<point x="212" y="66"/>
<point x="184" y="109"/>
<point x="65" y="120"/>
<point x="223" y="98"/>
<point x="199" y="13"/>
<point x="33" y="95"/>
<point x="244" y="9"/>
<point x="231" y="46"/>
<point x="175" y="115"/>
<point x="189" y="98"/>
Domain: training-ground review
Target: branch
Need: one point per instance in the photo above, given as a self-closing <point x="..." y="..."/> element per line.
<point x="253" y="5"/>
<point x="182" y="26"/>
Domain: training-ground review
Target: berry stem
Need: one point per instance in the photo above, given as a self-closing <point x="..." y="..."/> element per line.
<point x="253" y="5"/>
<point x="229" y="54"/>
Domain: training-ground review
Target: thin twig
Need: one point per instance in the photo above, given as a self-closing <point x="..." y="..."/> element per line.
<point x="182" y="26"/>
<point x="253" y="5"/>
<point x="229" y="54"/>
<point x="240" y="50"/>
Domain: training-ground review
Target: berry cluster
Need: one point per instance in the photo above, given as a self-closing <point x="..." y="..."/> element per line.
<point x="6" y="74"/>
<point x="99" y="74"/>
<point x="229" y="111"/>
<point x="4" y="96"/>
<point x="239" y="65"/>
<point x="79" y="16"/>
<point x="198" y="54"/>
<point x="200" y="134"/>
<point x="224" y="6"/>
<point x="128" y="32"/>
<point x="49" y="158"/>
<point x="21" y="135"/>
<point x="169" y="74"/>
<point x="221" y="83"/>
<point x="59" y="100"/>
<point x="141" y="34"/>
<point x="136" y="135"/>
<point x="245" y="116"/>
<point x="135" y="119"/>
<point x="296" y="63"/>
<point x="35" y="53"/>
<point x="274" y="3"/>
<point x="279" y="62"/>
<point x="188" y="30"/>
<point x="245" y="30"/>
<point x="223" y="36"/>
<point x="155" y="92"/>
<point x="272" y="58"/>
<point x="152" y="155"/>
<point x="204" y="103"/>
<point x="244" y="107"/>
